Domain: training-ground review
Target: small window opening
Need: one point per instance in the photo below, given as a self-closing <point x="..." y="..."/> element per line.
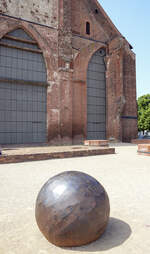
<point x="102" y="52"/>
<point x="87" y="28"/>
<point x="96" y="11"/>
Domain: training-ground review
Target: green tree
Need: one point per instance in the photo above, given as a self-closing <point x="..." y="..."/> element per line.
<point x="144" y="113"/>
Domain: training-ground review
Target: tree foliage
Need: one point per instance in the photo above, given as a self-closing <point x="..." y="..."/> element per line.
<point x="144" y="113"/>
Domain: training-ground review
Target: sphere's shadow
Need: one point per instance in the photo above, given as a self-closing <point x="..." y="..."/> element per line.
<point x="117" y="233"/>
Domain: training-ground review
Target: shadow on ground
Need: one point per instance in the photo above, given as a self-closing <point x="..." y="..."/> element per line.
<point x="117" y="233"/>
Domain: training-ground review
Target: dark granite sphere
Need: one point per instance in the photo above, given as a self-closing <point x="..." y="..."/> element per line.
<point x="72" y="209"/>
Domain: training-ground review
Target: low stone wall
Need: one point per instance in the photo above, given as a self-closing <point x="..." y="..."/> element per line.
<point x="144" y="149"/>
<point x="140" y="141"/>
<point x="54" y="155"/>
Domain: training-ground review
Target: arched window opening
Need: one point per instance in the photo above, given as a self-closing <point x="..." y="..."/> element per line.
<point x="88" y="28"/>
<point x="96" y="96"/>
<point x="23" y="90"/>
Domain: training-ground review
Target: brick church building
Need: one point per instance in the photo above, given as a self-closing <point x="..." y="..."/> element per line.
<point x="66" y="74"/>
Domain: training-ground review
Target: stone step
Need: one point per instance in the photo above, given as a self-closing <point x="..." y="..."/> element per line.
<point x="85" y="151"/>
<point x="96" y="143"/>
<point x="144" y="149"/>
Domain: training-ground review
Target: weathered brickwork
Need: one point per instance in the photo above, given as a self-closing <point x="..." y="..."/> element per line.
<point x="67" y="50"/>
<point x="129" y="126"/>
<point x="44" y="12"/>
<point x="68" y="153"/>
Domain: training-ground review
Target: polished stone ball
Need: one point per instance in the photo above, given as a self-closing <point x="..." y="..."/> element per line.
<point x="72" y="209"/>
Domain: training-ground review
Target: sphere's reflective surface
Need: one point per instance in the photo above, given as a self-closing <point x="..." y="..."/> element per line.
<point x="72" y="209"/>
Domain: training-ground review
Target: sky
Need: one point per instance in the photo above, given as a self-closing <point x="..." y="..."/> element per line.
<point x="132" y="19"/>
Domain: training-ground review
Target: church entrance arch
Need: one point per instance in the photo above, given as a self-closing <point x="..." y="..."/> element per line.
<point x="96" y="96"/>
<point x="23" y="92"/>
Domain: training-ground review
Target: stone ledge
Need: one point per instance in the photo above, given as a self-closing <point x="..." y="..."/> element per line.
<point x="144" y="149"/>
<point x="54" y="155"/>
<point x="140" y="141"/>
<point x="96" y="143"/>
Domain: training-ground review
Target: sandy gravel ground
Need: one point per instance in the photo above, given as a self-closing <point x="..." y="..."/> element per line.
<point x="126" y="177"/>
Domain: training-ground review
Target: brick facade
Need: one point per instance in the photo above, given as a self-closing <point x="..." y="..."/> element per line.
<point x="60" y="32"/>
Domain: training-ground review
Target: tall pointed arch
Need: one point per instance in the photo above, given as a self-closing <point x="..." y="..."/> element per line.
<point x="96" y="96"/>
<point x="22" y="89"/>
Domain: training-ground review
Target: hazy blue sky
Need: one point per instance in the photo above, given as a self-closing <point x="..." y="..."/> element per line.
<point x="132" y="18"/>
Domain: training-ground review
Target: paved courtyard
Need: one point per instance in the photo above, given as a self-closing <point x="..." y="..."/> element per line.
<point x="126" y="177"/>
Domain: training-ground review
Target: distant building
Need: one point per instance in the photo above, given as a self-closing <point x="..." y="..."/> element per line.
<point x="66" y="74"/>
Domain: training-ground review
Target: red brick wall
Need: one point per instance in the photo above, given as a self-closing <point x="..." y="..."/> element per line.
<point x="117" y="76"/>
<point x="78" y="115"/>
<point x="114" y="91"/>
<point x="83" y="12"/>
<point x="67" y="51"/>
<point x="129" y="126"/>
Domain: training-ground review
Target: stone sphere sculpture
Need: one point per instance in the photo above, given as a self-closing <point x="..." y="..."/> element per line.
<point x="72" y="209"/>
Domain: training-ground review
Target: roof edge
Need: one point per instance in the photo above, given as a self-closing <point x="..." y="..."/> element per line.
<point x="110" y="22"/>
